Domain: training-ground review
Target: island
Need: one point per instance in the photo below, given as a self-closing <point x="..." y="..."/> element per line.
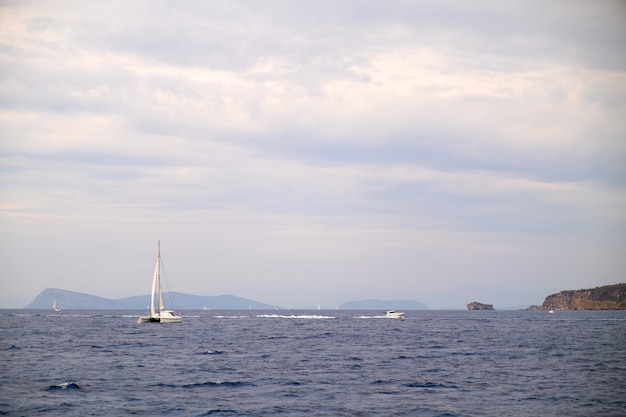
<point x="70" y="300"/>
<point x="479" y="306"/>
<point x="608" y="297"/>
<point x="374" y="304"/>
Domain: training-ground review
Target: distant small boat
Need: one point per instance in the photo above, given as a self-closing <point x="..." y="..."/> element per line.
<point x="393" y="314"/>
<point x="163" y="315"/>
<point x="54" y="305"/>
<point x="551" y="311"/>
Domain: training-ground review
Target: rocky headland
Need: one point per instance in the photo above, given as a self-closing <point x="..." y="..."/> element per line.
<point x="609" y="297"/>
<point x="479" y="306"/>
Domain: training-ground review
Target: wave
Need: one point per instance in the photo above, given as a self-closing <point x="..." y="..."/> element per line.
<point x="429" y="384"/>
<point x="219" y="411"/>
<point x="211" y="352"/>
<point x="210" y="384"/>
<point x="293" y="316"/>
<point x="417" y="384"/>
<point x="219" y="384"/>
<point x="64" y="386"/>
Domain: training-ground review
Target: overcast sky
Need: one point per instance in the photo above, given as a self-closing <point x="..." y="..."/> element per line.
<point x="301" y="153"/>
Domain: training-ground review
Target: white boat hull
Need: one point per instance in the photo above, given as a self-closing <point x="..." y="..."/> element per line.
<point x="394" y="314"/>
<point x="176" y="319"/>
<point x="162" y="317"/>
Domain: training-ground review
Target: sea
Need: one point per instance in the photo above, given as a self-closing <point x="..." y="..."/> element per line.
<point x="313" y="363"/>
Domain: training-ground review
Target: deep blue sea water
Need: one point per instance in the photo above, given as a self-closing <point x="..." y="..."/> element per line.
<point x="314" y="363"/>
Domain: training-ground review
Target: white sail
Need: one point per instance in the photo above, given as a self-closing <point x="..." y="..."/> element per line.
<point x="163" y="315"/>
<point x="157" y="274"/>
<point x="156" y="280"/>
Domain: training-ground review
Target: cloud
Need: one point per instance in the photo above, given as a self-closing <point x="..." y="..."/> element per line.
<point x="322" y="145"/>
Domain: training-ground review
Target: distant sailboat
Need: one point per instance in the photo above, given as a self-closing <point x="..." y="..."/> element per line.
<point x="54" y="305"/>
<point x="163" y="315"/>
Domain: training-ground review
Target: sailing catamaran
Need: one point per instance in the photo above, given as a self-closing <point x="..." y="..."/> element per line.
<point x="163" y="315"/>
<point x="54" y="305"/>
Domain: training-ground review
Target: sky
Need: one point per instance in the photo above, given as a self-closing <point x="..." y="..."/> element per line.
<point x="305" y="153"/>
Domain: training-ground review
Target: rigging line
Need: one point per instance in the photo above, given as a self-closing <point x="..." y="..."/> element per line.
<point x="167" y="285"/>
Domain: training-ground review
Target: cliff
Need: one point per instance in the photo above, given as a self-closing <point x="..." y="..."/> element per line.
<point x="610" y="297"/>
<point x="479" y="306"/>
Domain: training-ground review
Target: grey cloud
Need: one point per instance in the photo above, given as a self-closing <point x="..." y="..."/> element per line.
<point x="335" y="141"/>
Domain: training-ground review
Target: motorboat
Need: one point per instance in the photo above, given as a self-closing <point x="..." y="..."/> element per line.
<point x="393" y="314"/>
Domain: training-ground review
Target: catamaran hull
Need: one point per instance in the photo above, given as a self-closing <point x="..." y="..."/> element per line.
<point x="175" y="319"/>
<point x="162" y="318"/>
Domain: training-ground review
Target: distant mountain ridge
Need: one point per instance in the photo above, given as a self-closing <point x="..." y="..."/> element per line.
<point x="79" y="301"/>
<point x="382" y="305"/>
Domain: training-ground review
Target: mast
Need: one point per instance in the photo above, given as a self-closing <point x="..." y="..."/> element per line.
<point x="158" y="278"/>
<point x="155" y="278"/>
